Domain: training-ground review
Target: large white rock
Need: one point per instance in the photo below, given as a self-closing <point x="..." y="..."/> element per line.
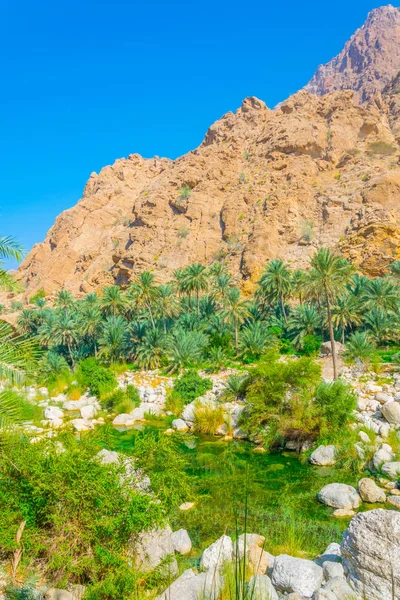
<point x="323" y="456"/>
<point x="336" y="588"/>
<point x="261" y="588"/>
<point x="332" y="569"/>
<point x="153" y="547"/>
<point x="190" y="586"/>
<point x="181" y="541"/>
<point x="216" y="555"/>
<point x="391" y="412"/>
<point x="88" y="412"/>
<point x="339" y="495"/>
<point x="137" y="414"/>
<point x="82" y="424"/>
<point x="296" y="575"/>
<point x="382" y="455"/>
<point x="371" y="554"/>
<point x="124" y="419"/>
<point x="391" y="470"/>
<point x="53" y="413"/>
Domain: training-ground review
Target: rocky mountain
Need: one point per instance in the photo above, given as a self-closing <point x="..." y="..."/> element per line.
<point x="368" y="61"/>
<point x="317" y="171"/>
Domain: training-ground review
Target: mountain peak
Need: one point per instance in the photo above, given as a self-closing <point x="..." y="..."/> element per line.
<point x="368" y="61"/>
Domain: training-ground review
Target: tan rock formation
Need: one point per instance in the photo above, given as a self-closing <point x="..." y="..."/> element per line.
<point x="368" y="61"/>
<point x="317" y="171"/>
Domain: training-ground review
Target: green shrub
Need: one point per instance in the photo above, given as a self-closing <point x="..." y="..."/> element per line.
<point x="97" y="378"/>
<point x="207" y="418"/>
<point x="132" y="393"/>
<point x="311" y="345"/>
<point x="39" y="294"/>
<point x="16" y="305"/>
<point x="381" y="148"/>
<point x="81" y="517"/>
<point x="279" y="396"/>
<point x="118" y="401"/>
<point x="191" y="385"/>
<point x="335" y="402"/>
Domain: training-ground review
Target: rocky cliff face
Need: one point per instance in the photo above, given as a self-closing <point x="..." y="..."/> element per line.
<point x="318" y="171"/>
<point x="368" y="61"/>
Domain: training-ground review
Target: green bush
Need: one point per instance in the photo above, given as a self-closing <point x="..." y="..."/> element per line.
<point x="39" y="294"/>
<point x="119" y="401"/>
<point x="191" y="385"/>
<point x="97" y="378"/>
<point x="132" y="393"/>
<point x="335" y="402"/>
<point x="311" y="345"/>
<point x="279" y="396"/>
<point x="81" y="517"/>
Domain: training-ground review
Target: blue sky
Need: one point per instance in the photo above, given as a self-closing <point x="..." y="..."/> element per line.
<point x="85" y="82"/>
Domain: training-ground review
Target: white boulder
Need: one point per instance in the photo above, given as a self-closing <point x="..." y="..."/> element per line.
<point x="296" y="575"/>
<point x="181" y="541"/>
<point x="391" y="470"/>
<point x="371" y="554"/>
<point x="216" y="555"/>
<point x="323" y="456"/>
<point x="339" y="495"/>
<point x="53" y="412"/>
<point x="261" y="588"/>
<point x="391" y="412"/>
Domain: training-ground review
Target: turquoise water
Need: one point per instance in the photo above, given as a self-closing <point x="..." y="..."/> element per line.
<point x="271" y="494"/>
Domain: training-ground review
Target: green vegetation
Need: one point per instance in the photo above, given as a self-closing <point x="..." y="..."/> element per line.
<point x="74" y="520"/>
<point x="95" y="377"/>
<point x="190" y="386"/>
<point x="78" y="519"/>
<point x="201" y="319"/>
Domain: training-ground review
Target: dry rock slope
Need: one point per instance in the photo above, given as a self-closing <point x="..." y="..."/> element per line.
<point x="368" y="61"/>
<point x="317" y="171"/>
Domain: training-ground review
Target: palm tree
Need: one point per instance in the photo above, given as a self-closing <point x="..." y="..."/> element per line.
<point x="114" y="339"/>
<point x="10" y="249"/>
<point x="65" y="332"/>
<point x="360" y="347"/>
<point x="381" y="293"/>
<point x="145" y="292"/>
<point x="276" y="284"/>
<point x="327" y="281"/>
<point x="167" y="305"/>
<point x="299" y="281"/>
<point x="90" y="324"/>
<point x="151" y="350"/>
<point x="304" y="321"/>
<point x="380" y="324"/>
<point x="64" y="300"/>
<point x="91" y="299"/>
<point x="27" y="321"/>
<point x="196" y="280"/>
<point x="346" y="313"/>
<point x="234" y="387"/>
<point x="113" y="301"/>
<point x="220" y="286"/>
<point x="358" y="285"/>
<point x="18" y="358"/>
<point x="254" y="339"/>
<point x="394" y="269"/>
<point x="185" y="348"/>
<point x="235" y="312"/>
